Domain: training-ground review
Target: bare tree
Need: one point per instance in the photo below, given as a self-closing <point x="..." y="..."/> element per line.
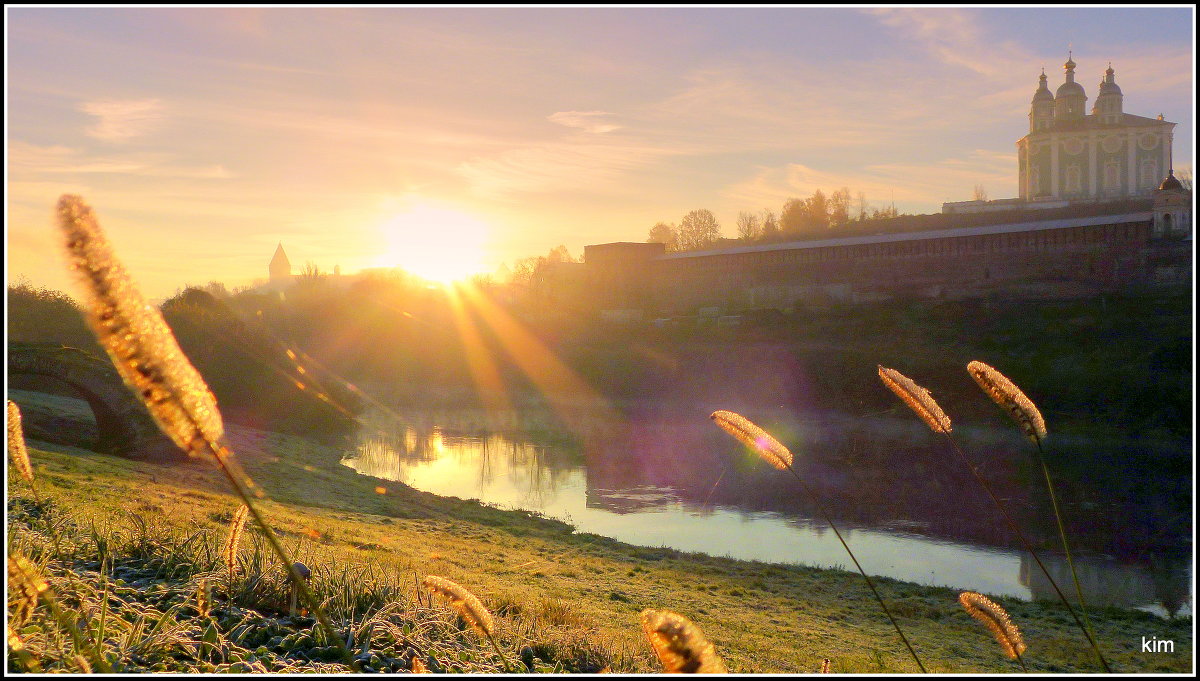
<point x="839" y="207"/>
<point x="748" y="226"/>
<point x="861" y="206"/>
<point x="1185" y="179"/>
<point x="980" y="194"/>
<point x="770" y="225"/>
<point x="698" y="229"/>
<point x="664" y="233"/>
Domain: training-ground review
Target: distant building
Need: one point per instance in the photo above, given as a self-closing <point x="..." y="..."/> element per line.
<point x="1070" y="154"/>
<point x="280" y="267"/>
<point x="1094" y="216"/>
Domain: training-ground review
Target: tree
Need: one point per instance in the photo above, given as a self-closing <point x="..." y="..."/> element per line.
<point x="770" y="225"/>
<point x="748" y="226"/>
<point x="861" y="206"/>
<point x="664" y="233"/>
<point x="1185" y="179"/>
<point x="980" y="194"/>
<point x="806" y="216"/>
<point x="559" y="254"/>
<point x="791" y="219"/>
<point x="818" y="212"/>
<point x="698" y="229"/>
<point x="839" y="207"/>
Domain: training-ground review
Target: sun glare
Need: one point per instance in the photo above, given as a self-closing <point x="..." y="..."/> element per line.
<point x="434" y="242"/>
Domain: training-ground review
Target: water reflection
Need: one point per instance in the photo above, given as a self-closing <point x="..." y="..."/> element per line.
<point x="674" y="482"/>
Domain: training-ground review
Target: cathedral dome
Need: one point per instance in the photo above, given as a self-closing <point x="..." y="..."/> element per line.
<point x="1043" y="93"/>
<point x="1170" y="182"/>
<point x="1109" y="86"/>
<point x="1070" y="89"/>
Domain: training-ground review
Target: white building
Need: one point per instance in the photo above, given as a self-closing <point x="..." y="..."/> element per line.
<point x="1070" y="154"/>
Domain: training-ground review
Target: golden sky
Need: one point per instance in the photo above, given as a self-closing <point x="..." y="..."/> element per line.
<point x="457" y="139"/>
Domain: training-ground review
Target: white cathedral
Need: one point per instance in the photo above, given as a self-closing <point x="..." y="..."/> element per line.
<point x="1071" y="155"/>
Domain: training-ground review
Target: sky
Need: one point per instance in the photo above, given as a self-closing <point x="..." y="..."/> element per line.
<point x="456" y="139"/>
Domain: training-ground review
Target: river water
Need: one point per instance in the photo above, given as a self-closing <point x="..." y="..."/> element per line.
<point x="908" y="509"/>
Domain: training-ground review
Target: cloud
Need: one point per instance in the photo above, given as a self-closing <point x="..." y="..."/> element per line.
<point x="572" y="166"/>
<point x="587" y="121"/>
<point x="123" y="119"/>
<point x="25" y="158"/>
<point x="948" y="179"/>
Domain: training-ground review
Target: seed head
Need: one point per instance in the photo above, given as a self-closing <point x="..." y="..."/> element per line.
<point x="465" y="602"/>
<point x="136" y="338"/>
<point x="917" y="398"/>
<point x="754" y="437"/>
<point x="680" y="645"/>
<point x="16" y="445"/>
<point x="1010" y="398"/>
<point x="994" y="618"/>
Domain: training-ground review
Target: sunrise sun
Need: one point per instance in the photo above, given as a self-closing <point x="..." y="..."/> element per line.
<point x="434" y="242"/>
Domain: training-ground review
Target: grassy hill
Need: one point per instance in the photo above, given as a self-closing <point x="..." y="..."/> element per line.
<point x="128" y="546"/>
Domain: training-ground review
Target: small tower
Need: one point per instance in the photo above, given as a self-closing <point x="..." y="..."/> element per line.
<point x="280" y="268"/>
<point x="1070" y="100"/>
<point x="1172" y="210"/>
<point x="1108" y="105"/>
<point x="1041" y="112"/>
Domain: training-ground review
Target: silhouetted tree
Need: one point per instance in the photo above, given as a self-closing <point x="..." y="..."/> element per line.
<point x="980" y="194"/>
<point x="791" y="219"/>
<point x="664" y="233"/>
<point x="748" y="226"/>
<point x="770" y="225"/>
<point x="839" y="207"/>
<point x="698" y="229"/>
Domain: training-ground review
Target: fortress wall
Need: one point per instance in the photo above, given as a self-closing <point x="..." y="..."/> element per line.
<point x="1044" y="263"/>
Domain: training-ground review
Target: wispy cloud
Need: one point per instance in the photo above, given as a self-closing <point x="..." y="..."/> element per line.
<point x="32" y="159"/>
<point x="587" y="121"/>
<point x="582" y="166"/>
<point x="123" y="119"/>
<point x="946" y="179"/>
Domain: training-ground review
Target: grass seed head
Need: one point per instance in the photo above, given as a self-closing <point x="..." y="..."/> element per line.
<point x="917" y="398"/>
<point x="136" y="338"/>
<point x="994" y="618"/>
<point x="1010" y="398"/>
<point x="680" y="645"/>
<point x="16" y="443"/>
<point x="25" y="586"/>
<point x="235" y="537"/>
<point x="754" y="437"/>
<point x="465" y="602"/>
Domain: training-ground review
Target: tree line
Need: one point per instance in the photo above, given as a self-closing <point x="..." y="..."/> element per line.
<point x="815" y="216"/>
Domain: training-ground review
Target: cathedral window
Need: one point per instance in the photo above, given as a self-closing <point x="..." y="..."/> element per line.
<point x="1149" y="173"/>
<point x="1112" y="176"/>
<point x="1073" y="179"/>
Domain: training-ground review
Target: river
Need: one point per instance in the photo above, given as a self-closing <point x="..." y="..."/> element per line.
<point x="905" y="505"/>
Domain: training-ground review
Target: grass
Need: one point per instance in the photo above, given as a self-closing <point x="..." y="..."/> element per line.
<point x="563" y="601"/>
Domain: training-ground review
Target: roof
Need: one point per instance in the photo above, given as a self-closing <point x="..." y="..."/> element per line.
<point x="918" y="236"/>
<point x="1095" y="121"/>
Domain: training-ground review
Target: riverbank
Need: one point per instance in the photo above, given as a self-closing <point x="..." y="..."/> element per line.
<point x="571" y="599"/>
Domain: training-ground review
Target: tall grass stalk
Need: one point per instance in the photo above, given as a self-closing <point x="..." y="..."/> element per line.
<point x="943" y="428"/>
<point x="24" y="577"/>
<point x="997" y="621"/>
<point x="680" y="645"/>
<point x="469" y="607"/>
<point x="149" y="360"/>
<point x="775" y="453"/>
<point x="17" y="450"/>
<point x="1013" y="400"/>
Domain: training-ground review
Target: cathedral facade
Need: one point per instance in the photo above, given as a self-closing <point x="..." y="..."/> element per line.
<point x="1072" y="155"/>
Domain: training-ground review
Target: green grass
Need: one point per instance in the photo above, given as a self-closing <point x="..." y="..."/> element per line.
<point x="564" y="601"/>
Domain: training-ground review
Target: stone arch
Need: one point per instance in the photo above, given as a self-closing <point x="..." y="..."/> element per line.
<point x="125" y="427"/>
